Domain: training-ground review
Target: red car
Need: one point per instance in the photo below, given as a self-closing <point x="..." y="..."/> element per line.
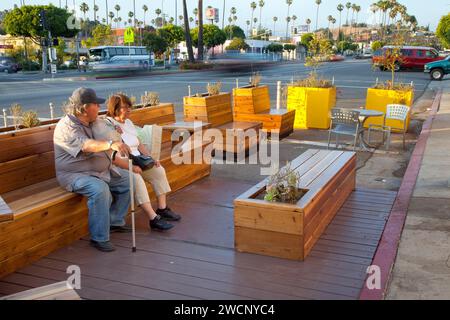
<point x="411" y="57"/>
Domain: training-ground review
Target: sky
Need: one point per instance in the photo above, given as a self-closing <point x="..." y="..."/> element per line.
<point x="427" y="12"/>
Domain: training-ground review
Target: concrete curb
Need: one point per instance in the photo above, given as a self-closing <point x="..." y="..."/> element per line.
<point x="387" y="248"/>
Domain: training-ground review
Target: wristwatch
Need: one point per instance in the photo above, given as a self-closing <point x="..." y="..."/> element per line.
<point x="110" y="142"/>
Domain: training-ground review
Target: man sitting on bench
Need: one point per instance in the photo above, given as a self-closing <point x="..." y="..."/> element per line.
<point x="84" y="167"/>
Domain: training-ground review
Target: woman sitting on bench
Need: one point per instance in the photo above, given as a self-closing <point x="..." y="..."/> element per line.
<point x="119" y="109"/>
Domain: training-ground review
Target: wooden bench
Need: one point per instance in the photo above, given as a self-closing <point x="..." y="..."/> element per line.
<point x="55" y="291"/>
<point x="217" y="110"/>
<point x="290" y="230"/>
<point x="253" y="104"/>
<point x="37" y="216"/>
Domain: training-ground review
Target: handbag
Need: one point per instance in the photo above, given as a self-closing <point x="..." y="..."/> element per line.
<point x="143" y="162"/>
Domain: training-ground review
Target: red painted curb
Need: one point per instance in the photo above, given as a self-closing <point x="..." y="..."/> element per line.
<point x="388" y="246"/>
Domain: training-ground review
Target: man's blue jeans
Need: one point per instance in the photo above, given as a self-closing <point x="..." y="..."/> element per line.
<point x="108" y="203"/>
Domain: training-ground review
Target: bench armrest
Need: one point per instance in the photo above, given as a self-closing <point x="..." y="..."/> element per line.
<point x="6" y="213"/>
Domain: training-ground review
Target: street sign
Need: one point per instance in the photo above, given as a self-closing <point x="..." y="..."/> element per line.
<point x="53" y="68"/>
<point x="128" y="36"/>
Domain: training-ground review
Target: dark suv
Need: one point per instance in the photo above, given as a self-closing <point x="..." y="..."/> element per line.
<point x="8" y="65"/>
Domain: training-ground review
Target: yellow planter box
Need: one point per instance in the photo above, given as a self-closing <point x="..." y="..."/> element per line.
<point x="378" y="99"/>
<point x="312" y="106"/>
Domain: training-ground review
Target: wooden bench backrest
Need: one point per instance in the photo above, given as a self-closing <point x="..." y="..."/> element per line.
<point x="216" y="110"/>
<point x="27" y="156"/>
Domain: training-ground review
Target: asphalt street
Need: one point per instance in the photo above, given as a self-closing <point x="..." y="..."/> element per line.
<point x="352" y="78"/>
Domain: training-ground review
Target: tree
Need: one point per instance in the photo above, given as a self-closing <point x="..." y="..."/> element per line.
<point x="101" y="36"/>
<point x="200" y="44"/>
<point x="238" y="44"/>
<point x="172" y="34"/>
<point x="253" y="6"/>
<point x="275" y="47"/>
<point x="348" y="5"/>
<point x="376" y="45"/>
<point x="288" y="18"/>
<point x="145" y="9"/>
<point x="154" y="43"/>
<point x="117" y="8"/>
<point x="187" y="33"/>
<point x="111" y="16"/>
<point x="95" y="8"/>
<point x="306" y="39"/>
<point x="213" y="36"/>
<point x="340" y="7"/>
<point x="234" y="31"/>
<point x="24" y="21"/>
<point x="289" y="47"/>
<point x="319" y="51"/>
<point x="318" y="2"/>
<point x="275" y="19"/>
<point x="261" y="5"/>
<point x="443" y="31"/>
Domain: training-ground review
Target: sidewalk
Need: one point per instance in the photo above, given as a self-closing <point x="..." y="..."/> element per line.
<point x="422" y="265"/>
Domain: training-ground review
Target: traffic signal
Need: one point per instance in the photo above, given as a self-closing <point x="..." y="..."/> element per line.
<point x="42" y="20"/>
<point x="55" y="42"/>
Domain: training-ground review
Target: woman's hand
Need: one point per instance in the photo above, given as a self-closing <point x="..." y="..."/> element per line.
<point x="118" y="129"/>
<point x="137" y="169"/>
<point x="121" y="148"/>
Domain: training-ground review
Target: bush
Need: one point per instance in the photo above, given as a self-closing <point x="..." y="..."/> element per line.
<point x="238" y="44"/>
<point x="185" y="65"/>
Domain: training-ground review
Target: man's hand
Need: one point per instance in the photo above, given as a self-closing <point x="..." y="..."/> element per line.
<point x="118" y="129"/>
<point x="121" y="148"/>
<point x="137" y="169"/>
<point x="157" y="164"/>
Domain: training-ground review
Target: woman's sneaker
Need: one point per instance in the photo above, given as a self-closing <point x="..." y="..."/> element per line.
<point x="168" y="214"/>
<point x="159" y="224"/>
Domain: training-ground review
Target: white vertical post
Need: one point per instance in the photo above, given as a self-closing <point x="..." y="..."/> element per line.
<point x="237" y="83"/>
<point x="51" y="111"/>
<point x="189" y="90"/>
<point x="332" y="81"/>
<point x="292" y="79"/>
<point x="278" y="94"/>
<point x="377" y="81"/>
<point x="5" y="119"/>
<point x="412" y="83"/>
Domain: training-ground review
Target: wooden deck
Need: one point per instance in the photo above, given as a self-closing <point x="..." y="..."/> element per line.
<point x="196" y="260"/>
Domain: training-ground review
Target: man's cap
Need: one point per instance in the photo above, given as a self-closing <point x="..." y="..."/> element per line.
<point x="85" y="96"/>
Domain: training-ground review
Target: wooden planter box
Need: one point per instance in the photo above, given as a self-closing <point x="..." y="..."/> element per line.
<point x="312" y="106"/>
<point x="291" y="230"/>
<point x="215" y="110"/>
<point x="251" y="100"/>
<point x="378" y="99"/>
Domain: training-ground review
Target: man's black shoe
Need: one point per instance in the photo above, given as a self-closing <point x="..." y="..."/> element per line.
<point x="104" y="246"/>
<point x="159" y="224"/>
<point x="120" y="229"/>
<point x="168" y="214"/>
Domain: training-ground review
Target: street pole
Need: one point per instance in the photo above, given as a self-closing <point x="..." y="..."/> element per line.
<point x="176" y="12"/>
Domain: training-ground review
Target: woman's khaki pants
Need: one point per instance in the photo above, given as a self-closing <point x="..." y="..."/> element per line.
<point x="156" y="176"/>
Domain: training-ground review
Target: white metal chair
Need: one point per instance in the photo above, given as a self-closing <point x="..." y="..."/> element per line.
<point x="345" y="122"/>
<point x="393" y="112"/>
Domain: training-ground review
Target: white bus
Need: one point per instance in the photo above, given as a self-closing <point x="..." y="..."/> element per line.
<point x="111" y="58"/>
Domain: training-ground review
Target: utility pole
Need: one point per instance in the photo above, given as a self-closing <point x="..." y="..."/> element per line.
<point x="176" y="12"/>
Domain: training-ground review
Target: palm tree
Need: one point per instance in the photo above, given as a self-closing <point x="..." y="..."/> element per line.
<point x="374" y="9"/>
<point x="106" y="11"/>
<point x="348" y="5"/>
<point x="84" y="8"/>
<point x="261" y="5"/>
<point x="308" y="22"/>
<point x="200" y="30"/>
<point x="357" y="9"/>
<point x="95" y="12"/>
<point x="353" y="15"/>
<point x="117" y="8"/>
<point x="330" y="18"/>
<point x="318" y="2"/>
<point x="110" y="16"/>
<point x="145" y="9"/>
<point x="187" y="33"/>
<point x="191" y="20"/>
<point x="288" y="18"/>
<point x="340" y="7"/>
<point x="253" y="7"/>
<point x="158" y="12"/>
<point x="294" y="18"/>
<point x="248" y="25"/>
<point x="275" y="19"/>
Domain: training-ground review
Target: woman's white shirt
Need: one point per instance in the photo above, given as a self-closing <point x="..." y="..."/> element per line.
<point x="130" y="136"/>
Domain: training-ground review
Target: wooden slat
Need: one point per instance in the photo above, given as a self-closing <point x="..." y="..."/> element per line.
<point x="56" y="291"/>
<point x="6" y="213"/>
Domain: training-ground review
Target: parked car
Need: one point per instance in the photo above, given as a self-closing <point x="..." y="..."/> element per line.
<point x="438" y="69"/>
<point x="364" y="55"/>
<point x="411" y="57"/>
<point x="8" y="65"/>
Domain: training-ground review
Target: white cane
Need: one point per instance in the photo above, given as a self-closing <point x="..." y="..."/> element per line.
<point x="133" y="227"/>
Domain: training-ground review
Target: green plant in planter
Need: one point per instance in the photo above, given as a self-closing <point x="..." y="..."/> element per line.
<point x="255" y="80"/>
<point x="319" y="51"/>
<point x="150" y="99"/>
<point x="30" y="119"/>
<point x="16" y="114"/>
<point x="283" y="186"/>
<point x="214" y="89"/>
